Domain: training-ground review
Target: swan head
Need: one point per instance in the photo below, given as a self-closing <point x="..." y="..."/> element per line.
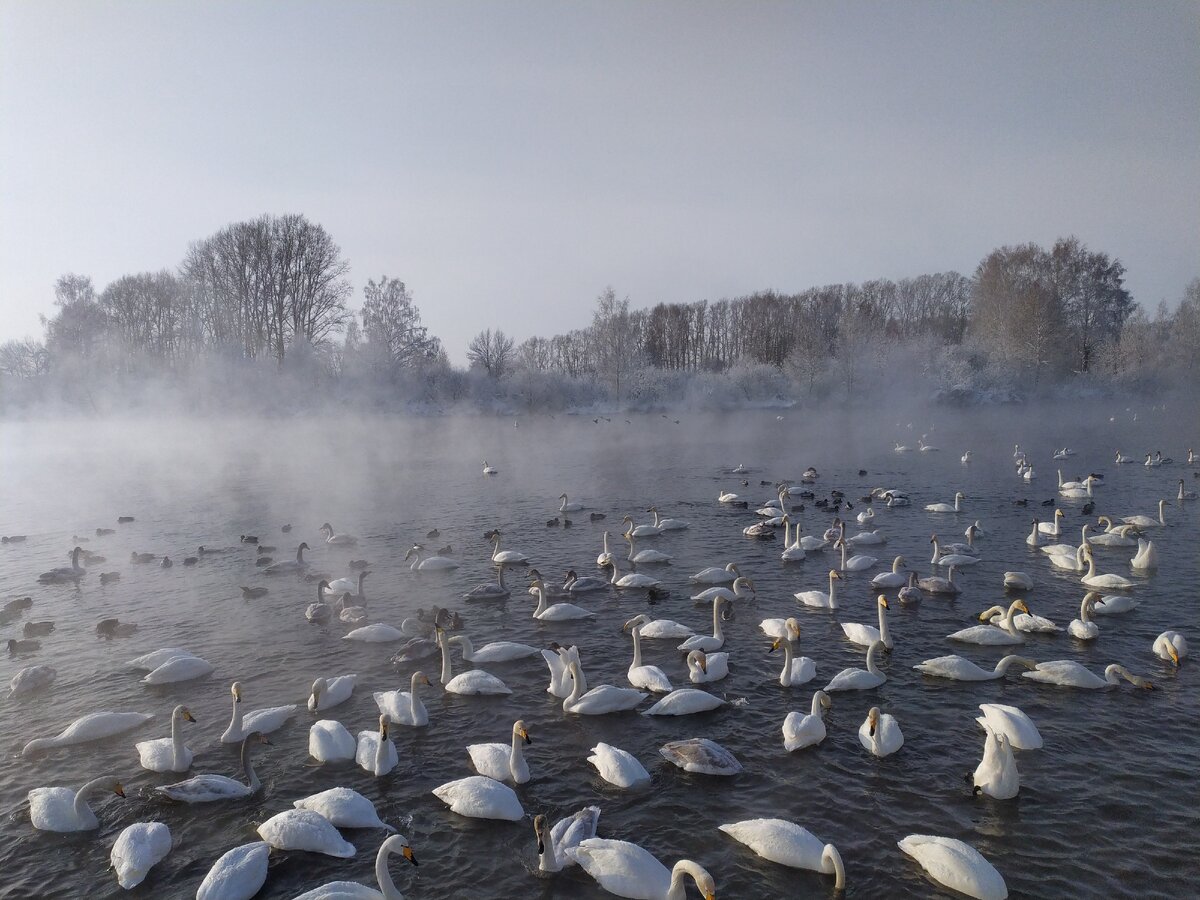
<point x="835" y="575"/>
<point x="1173" y="653"/>
<point x="236" y="690"/>
<point x="960" y="496"/>
<point x="1020" y="604"/>
<point x="732" y="567"/>
<point x="539" y="828"/>
<point x="184" y="713"/>
<point x="519" y="730"/>
<point x="700" y="658"/>
<point x="421" y="678"/>
<point x="991" y="611"/>
<point x="635" y="622"/>
<point x="317" y="687"/>
<point x="882" y="601"/>
<point x="562" y="496"/>
<point x="933" y="539"/>
<point x="873" y="721"/>
<point x="398" y="843"/>
<point x="743" y="581"/>
<point x="326" y="528"/>
<point x="384" y="722"/>
<point x="1058" y="514"/>
<point x="704" y="881"/>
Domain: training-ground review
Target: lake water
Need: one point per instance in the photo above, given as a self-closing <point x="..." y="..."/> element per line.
<point x="1107" y="808"/>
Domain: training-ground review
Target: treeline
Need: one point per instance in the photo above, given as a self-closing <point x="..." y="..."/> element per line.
<point x="268" y="299"/>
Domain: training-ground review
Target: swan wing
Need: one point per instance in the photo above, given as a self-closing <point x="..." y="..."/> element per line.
<point x="138" y="849"/>
<point x="779" y="841"/>
<point x="481" y="798"/>
<point x="623" y="868"/>
<point x="956" y="865"/>
<point x="238" y="875"/>
<point x="303" y="829"/>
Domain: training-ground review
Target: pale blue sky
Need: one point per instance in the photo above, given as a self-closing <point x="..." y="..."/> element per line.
<point x="508" y="160"/>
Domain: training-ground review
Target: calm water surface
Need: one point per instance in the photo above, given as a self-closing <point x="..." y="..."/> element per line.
<point x="1107" y="808"/>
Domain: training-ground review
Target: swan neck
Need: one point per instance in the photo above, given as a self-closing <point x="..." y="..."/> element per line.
<point x="248" y="768"/>
<point x="446" y="673"/>
<point x="936" y="553"/>
<point x="517" y="755"/>
<point x="235" y="724"/>
<point x="717" y="604"/>
<point x="468" y="649"/>
<point x="817" y="709"/>
<point x="871" y="667"/>
<point x="177" y="747"/>
<point x="383" y="875"/>
<point x="573" y="697"/>
<point x="381" y="753"/>
<point x="637" y="646"/>
<point x="1009" y="619"/>
<point x="503" y="586"/>
<point x="832" y="591"/>
<point x="541" y="604"/>
<point x="835" y="861"/>
<point x="785" y="677"/>
<point x="883" y="625"/>
<point x="81" y="805"/>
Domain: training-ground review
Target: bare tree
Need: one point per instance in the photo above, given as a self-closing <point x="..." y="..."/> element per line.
<point x="395" y="338"/>
<point x="492" y="351"/>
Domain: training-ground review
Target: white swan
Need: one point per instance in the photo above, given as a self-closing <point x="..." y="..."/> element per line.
<point x="31" y="678"/>
<point x="1120" y="536"/>
<point x="789" y="844"/>
<point x="954" y="507"/>
<point x="576" y="585"/>
<point x="503" y="762"/>
<point x="1107" y="581"/>
<point x="1112" y="604"/>
<point x="375" y="634"/>
<point x="806" y="731"/>
<point x="796" y="670"/>
<point x="1083" y="628"/>
<point x="668" y="524"/>
<point x="289" y="566"/>
<point x="478" y="797"/>
<point x="956" y="865"/>
<point x="179" y="668"/>
<point x="567" y="506"/>
<point x="1171" y="645"/>
<point x="705" y="667"/>
<point x="632" y="580"/>
<point x="238" y="875"/>
<point x="558" y="612"/>
<point x="741" y="587"/>
<point x="303" y="829"/>
<point x="1014" y="724"/>
<point x="665" y="629"/>
<point x="996" y="775"/>
<point x="965" y="459"/>
<point x="505" y="557"/>
<point x="352" y="890"/>
<point x="428" y="563"/>
<point x="618" y="767"/>
<point x="337" y="540"/>
<point x="935" y="584"/>
<point x="376" y="753"/>
<point x="1054" y="526"/>
<point x="649" y="678"/>
<point x="1034" y="539"/>
<point x="1068" y="673"/>
<point x="820" y="599"/>
<point x="685" y="702"/>
<point x="489" y="470"/>
<point x="168" y="754"/>
<point x="329" y="741"/>
<point x="728" y="497"/>
<point x="894" y="578"/>
<point x="1024" y="621"/>
<point x="92" y="727"/>
<point x="329" y="692"/>
<point x="405" y="707"/>
<point x="880" y="733"/>
<point x="860" y="679"/>
<point x="605" y="556"/>
<point x="567" y="833"/>
<point x="1146" y="557"/>
<point x="994" y="635"/>
<point x="1184" y="494"/>
<point x="495" y="652"/>
<point x="139" y="848"/>
<point x="264" y="721"/>
<point x="716" y="575"/>
<point x="62" y="809"/>
<point x="340" y="586"/>
<point x="490" y="590"/>
<point x="866" y="539"/>
<point x="626" y="870"/>
<point x="1147" y="521"/>
<point x="960" y="669"/>
<point x="210" y="788"/>
<point x="556" y="658"/>
<point x="866" y="635"/>
<point x="652" y="557"/>
<point x="708" y="643"/>
<point x="1018" y="581"/>
<point x="344" y="808"/>
<point x="604" y="698"/>
<point x="639" y="530"/>
<point x="73" y="572"/>
<point x="1069" y="562"/>
<point x="855" y="563"/>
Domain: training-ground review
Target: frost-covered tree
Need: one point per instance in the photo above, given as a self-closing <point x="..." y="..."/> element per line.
<point x="492" y="351"/>
<point x="395" y="338"/>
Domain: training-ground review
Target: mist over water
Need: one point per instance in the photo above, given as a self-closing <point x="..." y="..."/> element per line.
<point x="1107" y="808"/>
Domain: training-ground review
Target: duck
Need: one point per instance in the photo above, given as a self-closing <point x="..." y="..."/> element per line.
<point x="701" y="756"/>
<point x="295" y="565"/>
<point x="16" y="646"/>
<point x="880" y="733"/>
<point x="1068" y="673"/>
<point x="894" y="578"/>
<point x="820" y="599"/>
<point x="994" y="635"/>
<point x="685" y="702"/>
<point x="705" y="667"/>
<point x="473" y="682"/>
<point x="954" y="507"/>
<point x="649" y="678"/>
<point x="329" y="741"/>
<point x="502" y="761"/>
<point x="62" y="809"/>
<point x="253" y="593"/>
<point x="1146" y="557"/>
<point x="959" y="669"/>
<point x="91" y="727"/>
<point x="376" y="753"/>
<point x="955" y="865"/>
<point x="866" y="635"/>
<point x="303" y="829"/>
<point x="860" y="679"/>
<point x="115" y="628"/>
<point x="73" y="572"/>
<point x="996" y="775"/>
<point x="239" y="874"/>
<point x="715" y="641"/>
<point x="806" y="731"/>
<point x="479" y="797"/>
<point x="566" y="834"/>
<point x="855" y="563"/>
<point x="618" y="767"/>
<point x="602" y="699"/>
<point x="168" y="754"/>
<point x="1171" y="645"/>
<point x="621" y="867"/>
<point x="139" y="848"/>
<point x="210" y="788"/>
<point x="1108" y="581"/>
<point x="796" y="670"/>
<point x="263" y="721"/>
<point x="789" y="844"/>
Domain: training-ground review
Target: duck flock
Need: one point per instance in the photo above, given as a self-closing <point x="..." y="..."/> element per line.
<point x="622" y="589"/>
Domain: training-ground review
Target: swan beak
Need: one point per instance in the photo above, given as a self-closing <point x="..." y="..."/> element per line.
<point x="704" y="664"/>
<point x="188" y="716"/>
<point x="263" y="739"/>
<point x="710" y="896"/>
<point x="541" y="847"/>
<point x="883" y="602"/>
<point x="119" y="791"/>
<point x="1148" y="685"/>
<point x="424" y="679"/>
<point x="1173" y="653"/>
<point x="525" y="734"/>
<point x="409" y="855"/>
<point x="775" y="645"/>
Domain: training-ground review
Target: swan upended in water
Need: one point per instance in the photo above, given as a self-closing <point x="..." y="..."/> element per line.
<point x="137" y="849"/>
<point x="627" y="870"/>
<point x="789" y="844"/>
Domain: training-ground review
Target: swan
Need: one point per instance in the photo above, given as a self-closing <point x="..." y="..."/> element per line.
<point x="935" y="584"/>
<point x="405" y="707"/>
<point x="328" y="692"/>
<point x="806" y="731"/>
<point x="902" y="448"/>
<point x="966" y="458"/>
<point x="1147" y="521"/>
<point x="567" y="833"/>
<point x="296" y="565"/>
<point x="649" y="678"/>
<point x="618" y="767"/>
<point x="557" y="658"/>
<point x="632" y="580"/>
<point x="954" y="507"/>
<point x="478" y="797"/>
<point x="378" y="633"/>
<point x="1185" y="494"/>
<point x="1121" y="536"/>
<point x="1171" y="645"/>
<point x="473" y="682"/>
<point x="1063" y="453"/>
<point x="626" y="870"/>
<point x="376" y="753"/>
<point x="1146" y="557"/>
<point x="62" y="809"/>
<point x="638" y="531"/>
<point x="996" y="775"/>
<point x="668" y="524"/>
<point x="855" y="563"/>
<point x="179" y="668"/>
<point x="73" y="572"/>
<point x="1034" y="538"/>
<point x="604" y="698"/>
<point x="926" y="448"/>
<point x="866" y="539"/>
<point x="960" y="669"/>
<point x="567" y="506"/>
<point x="1026" y="472"/>
<point x="1067" y="673"/>
<point x="958" y="560"/>
<point x="351" y="615"/>
<point x="796" y="670"/>
<point x="260" y="720"/>
<point x="1151" y="462"/>
<point x="329" y="741"/>
<point x="1011" y="722"/>
<point x="955" y="865"/>
<point x="209" y="788"/>
<point x="496" y="590"/>
<point x="151" y="661"/>
<point x="789" y="844"/>
<point x="734" y="592"/>
<point x="506" y="557"/>
<point x="1069" y="561"/>
<point x="139" y="848"/>
<point x="428" y="563"/>
<point x="701" y="756"/>
<point x="1107" y="581"/>
<point x="865" y="516"/>
<point x="344" y="808"/>
<point x="605" y="556"/>
<point x="303" y="829"/>
<point x="1053" y="527"/>
<point x="1084" y="628"/>
<point x="1078" y="490"/>
<point x="238" y="875"/>
<point x="558" y="612"/>
<point x="705" y="667"/>
<point x="337" y="540"/>
<point x="168" y="754"/>
<point x="495" y="652"/>
<point x="1112" y="604"/>
<point x="1024" y="622"/>
<point x="319" y="612"/>
<point x="685" y="702"/>
<point x="994" y="635"/>
<point x="880" y="733"/>
<point x="709" y="643"/>
<point x="576" y="585"/>
<point x="820" y="599"/>
<point x="728" y="497"/>
<point x="866" y="635"/>
<point x="644" y="556"/>
<point x="31" y="678"/>
<point x="860" y="679"/>
<point x="1018" y="581"/>
<point x="489" y="470"/>
<point x="940" y="551"/>
<point x="911" y="592"/>
<point x="346" y="890"/>
<point x="340" y="586"/>
<point x="894" y="578"/>
<point x="92" y="727"/>
<point x="502" y="761"/>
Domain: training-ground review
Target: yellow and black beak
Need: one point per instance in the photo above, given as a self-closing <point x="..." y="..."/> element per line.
<point x="409" y="855"/>
<point x="118" y="790"/>
<point x="884" y="603"/>
<point x="525" y="734"/>
<point x="187" y="715"/>
<point x="425" y="679"/>
<point x="1173" y="653"/>
<point x="775" y="645"/>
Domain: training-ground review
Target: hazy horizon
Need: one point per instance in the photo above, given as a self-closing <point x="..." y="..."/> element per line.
<point x="509" y="161"/>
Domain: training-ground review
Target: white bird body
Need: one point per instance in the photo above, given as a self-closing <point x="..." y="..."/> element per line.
<point x="1146" y="557"/>
<point x="855" y="563"/>
<point x="91" y="727"/>
<point x="602" y="699"/>
<point x="329" y="741"/>
<point x="960" y="669"/>
<point x="1108" y="581"/>
<point x="788" y="844"/>
<point x="304" y="829"/>
<point x="479" y="797"/>
<point x="996" y="775"/>
<point x="404" y="707"/>
<point x="179" y="668"/>
<point x="566" y="834"/>
<point x="860" y="679"/>
<point x="954" y="507"/>
<point x="1147" y="521"/>
<point x="378" y="633"/>
<point x="1013" y="723"/>
<point x="1112" y="604"/>
<point x="30" y="679"/>
<point x="137" y="849"/>
<point x="994" y="635"/>
<point x="376" y="753"/>
<point x="956" y="865"/>
<point x="558" y="612"/>
<point x="866" y="635"/>
<point x="1068" y="673"/>
<point x="238" y="875"/>
<point x="648" y="678"/>
<point x="626" y="870"/>
<point x="62" y="809"/>
<point x="503" y="762"/>
<point x="1171" y="646"/>
<point x="618" y="767"/>
<point x="880" y="733"/>
<point x="708" y="643"/>
<point x="894" y="578"/>
<point x="567" y="506"/>
<point x="801" y="731"/>
<point x="329" y="692"/>
<point x="820" y="599"/>
<point x="706" y="667"/>
<point x="685" y="702"/>
<point x="1018" y="581"/>
<point x="1083" y="628"/>
<point x="344" y="808"/>
<point x="263" y="721"/>
<point x="168" y="754"/>
<point x="211" y="788"/>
